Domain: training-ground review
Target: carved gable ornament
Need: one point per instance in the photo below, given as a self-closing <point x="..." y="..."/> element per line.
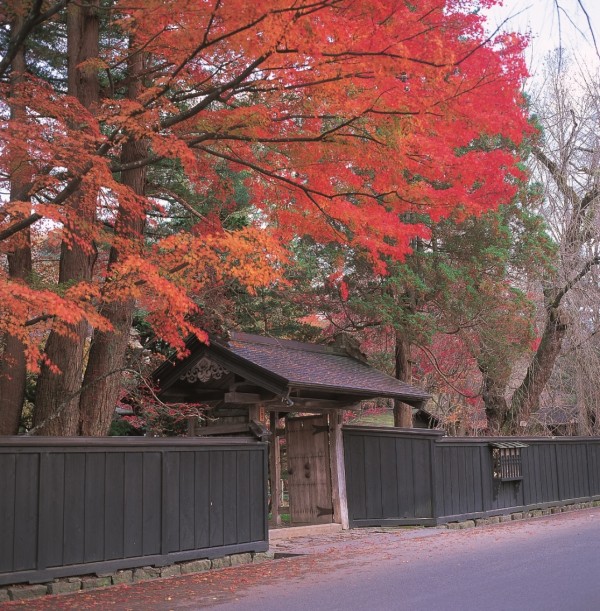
<point x="203" y="371"/>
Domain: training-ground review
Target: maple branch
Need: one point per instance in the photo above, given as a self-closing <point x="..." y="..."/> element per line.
<point x="432" y="359"/>
<point x="385" y="53"/>
<point x="184" y="204"/>
<point x="40" y="318"/>
<point x="203" y="45"/>
<point x="316" y="138"/>
<point x="19" y="226"/>
<point x="304" y="188"/>
<point x="215" y="95"/>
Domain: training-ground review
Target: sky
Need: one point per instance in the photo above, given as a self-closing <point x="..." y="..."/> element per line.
<point x="540" y="18"/>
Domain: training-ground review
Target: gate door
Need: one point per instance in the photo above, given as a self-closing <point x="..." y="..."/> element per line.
<point x="309" y="476"/>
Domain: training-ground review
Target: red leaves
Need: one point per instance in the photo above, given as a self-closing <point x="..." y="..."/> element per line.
<point x="346" y="119"/>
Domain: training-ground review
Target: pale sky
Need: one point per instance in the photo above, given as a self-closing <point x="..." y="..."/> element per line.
<point x="541" y="19"/>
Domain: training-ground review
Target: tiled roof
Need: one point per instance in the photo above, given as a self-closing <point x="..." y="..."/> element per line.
<point x="317" y="366"/>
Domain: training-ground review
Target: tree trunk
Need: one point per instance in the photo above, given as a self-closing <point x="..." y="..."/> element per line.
<point x="13" y="366"/>
<point x="103" y="375"/>
<point x="494" y="399"/>
<point x="57" y="394"/>
<point x="526" y="398"/>
<point x="403" y="411"/>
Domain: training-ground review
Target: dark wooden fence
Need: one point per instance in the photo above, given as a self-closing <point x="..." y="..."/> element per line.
<point x="70" y="506"/>
<point x="399" y="476"/>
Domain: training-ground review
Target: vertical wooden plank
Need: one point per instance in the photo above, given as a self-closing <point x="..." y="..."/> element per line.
<point x="243" y="496"/>
<point x="339" y="492"/>
<point x="551" y="472"/>
<point x="152" y="503"/>
<point x="258" y="498"/>
<point x="528" y="462"/>
<point x="26" y="509"/>
<point x="594" y="467"/>
<point x="309" y="471"/>
<point x="574" y="476"/>
<point x="557" y="472"/>
<point x="274" y="469"/>
<point x="356" y="474"/>
<point x="229" y="496"/>
<point x="389" y="479"/>
<point x="423" y="503"/>
<point x="7" y="511"/>
<point x="468" y="505"/>
<point x="535" y="451"/>
<point x="445" y="475"/>
<point x="216" y="498"/>
<point x="549" y="475"/>
<point x="405" y="477"/>
<point x="187" y="478"/>
<point x="583" y="470"/>
<point x="133" y="509"/>
<point x="437" y="479"/>
<point x="95" y="483"/>
<point x="170" y="486"/>
<point x="477" y="491"/>
<point x="51" y="508"/>
<point x="536" y="484"/>
<point x="202" y="499"/>
<point x="373" y="477"/>
<point x="487" y="483"/>
<point x="567" y="468"/>
<point x="74" y="516"/>
<point x="455" y="480"/>
<point x="113" y="506"/>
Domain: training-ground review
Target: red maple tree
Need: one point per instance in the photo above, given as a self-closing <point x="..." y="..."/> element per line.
<point x="346" y="120"/>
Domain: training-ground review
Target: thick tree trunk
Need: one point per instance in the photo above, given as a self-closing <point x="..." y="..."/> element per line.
<point x="403" y="411"/>
<point x="494" y="399"/>
<point x="13" y="366"/>
<point x="103" y="375"/>
<point x="526" y="398"/>
<point x="57" y="394"/>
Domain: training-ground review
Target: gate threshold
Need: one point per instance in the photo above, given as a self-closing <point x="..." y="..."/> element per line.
<point x="290" y="532"/>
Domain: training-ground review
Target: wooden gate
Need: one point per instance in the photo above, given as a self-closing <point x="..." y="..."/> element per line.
<point x="309" y="475"/>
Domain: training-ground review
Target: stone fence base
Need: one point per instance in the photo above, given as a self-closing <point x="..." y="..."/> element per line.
<point x="518" y="515"/>
<point x="68" y="585"/>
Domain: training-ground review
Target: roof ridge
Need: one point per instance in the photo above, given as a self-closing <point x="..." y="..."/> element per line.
<point x="250" y="338"/>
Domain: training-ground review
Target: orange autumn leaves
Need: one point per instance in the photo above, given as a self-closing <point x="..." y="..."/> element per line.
<point x="346" y="119"/>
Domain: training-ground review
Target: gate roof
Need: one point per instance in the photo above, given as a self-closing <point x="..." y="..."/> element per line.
<point x="284" y="368"/>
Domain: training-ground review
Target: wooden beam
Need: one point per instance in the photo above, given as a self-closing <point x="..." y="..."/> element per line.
<point x="242" y="397"/>
<point x="223" y="429"/>
<point x="338" y="470"/>
<point x="322" y="404"/>
<point x="275" y="470"/>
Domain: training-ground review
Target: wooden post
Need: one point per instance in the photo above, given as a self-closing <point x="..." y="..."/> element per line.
<point x="274" y="469"/>
<point x="254" y="412"/>
<point x="338" y="470"/>
<point x="191" y="426"/>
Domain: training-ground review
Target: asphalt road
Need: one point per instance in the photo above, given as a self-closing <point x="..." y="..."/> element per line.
<point x="548" y="564"/>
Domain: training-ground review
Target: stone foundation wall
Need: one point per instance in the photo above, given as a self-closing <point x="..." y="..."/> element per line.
<point x="518" y="515"/>
<point x="68" y="585"/>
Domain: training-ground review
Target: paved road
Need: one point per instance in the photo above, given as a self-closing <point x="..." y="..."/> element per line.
<point x="548" y="564"/>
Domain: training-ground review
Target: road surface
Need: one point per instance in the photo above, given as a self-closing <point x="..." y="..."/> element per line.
<point x="550" y="563"/>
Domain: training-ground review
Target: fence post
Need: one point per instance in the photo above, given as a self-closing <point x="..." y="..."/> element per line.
<point x="433" y="474"/>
